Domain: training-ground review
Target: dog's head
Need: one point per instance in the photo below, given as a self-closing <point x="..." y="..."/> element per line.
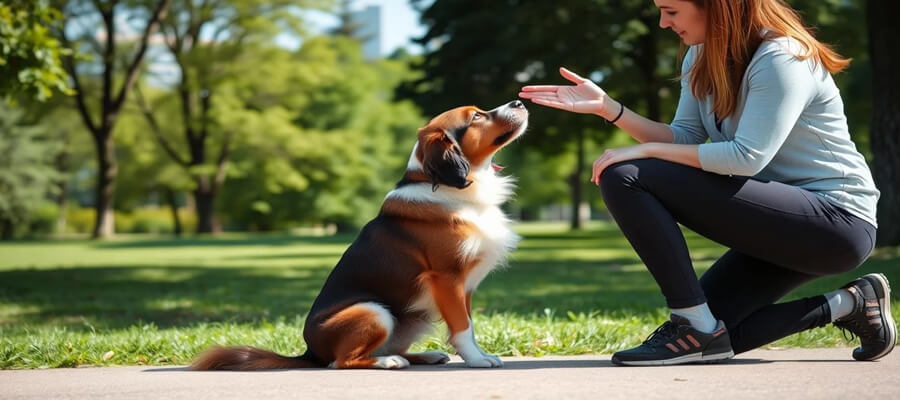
<point x="465" y="139"/>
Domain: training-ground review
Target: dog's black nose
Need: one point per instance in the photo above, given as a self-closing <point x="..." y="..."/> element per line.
<point x="516" y="104"/>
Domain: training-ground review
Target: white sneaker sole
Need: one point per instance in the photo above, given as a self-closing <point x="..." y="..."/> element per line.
<point x="887" y="318"/>
<point x="685" y="359"/>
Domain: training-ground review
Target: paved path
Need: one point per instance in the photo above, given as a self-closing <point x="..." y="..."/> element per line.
<point x="760" y="374"/>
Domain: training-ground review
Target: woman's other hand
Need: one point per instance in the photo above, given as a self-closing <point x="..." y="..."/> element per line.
<point x="612" y="156"/>
<point x="585" y="97"/>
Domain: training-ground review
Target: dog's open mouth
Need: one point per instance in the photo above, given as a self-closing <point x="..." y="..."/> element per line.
<point x="497" y="167"/>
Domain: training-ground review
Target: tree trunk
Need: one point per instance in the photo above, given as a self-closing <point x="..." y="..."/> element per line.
<point x="173" y="205"/>
<point x="885" y="129"/>
<point x="204" y="200"/>
<point x="62" y="165"/>
<point x="62" y="204"/>
<point x="576" y="184"/>
<point x="345" y="227"/>
<point x="528" y="214"/>
<point x="107" y="169"/>
<point x="7" y="230"/>
<point x="110" y="104"/>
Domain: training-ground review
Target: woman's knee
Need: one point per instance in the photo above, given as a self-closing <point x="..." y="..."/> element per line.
<point x="630" y="174"/>
<point x="844" y="260"/>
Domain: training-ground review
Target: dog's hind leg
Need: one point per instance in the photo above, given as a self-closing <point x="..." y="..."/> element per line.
<point x="427" y="357"/>
<point x="358" y="331"/>
<point x="408" y="331"/>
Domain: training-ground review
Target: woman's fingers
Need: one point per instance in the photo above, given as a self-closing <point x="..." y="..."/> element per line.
<point x="598" y="170"/>
<point x="571" y="76"/>
<point x="600" y="164"/>
<point x="542" y="95"/>
<point x="541" y="88"/>
<point x="595" y="172"/>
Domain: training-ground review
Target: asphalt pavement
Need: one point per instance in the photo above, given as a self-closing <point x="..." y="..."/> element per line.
<point x="759" y="374"/>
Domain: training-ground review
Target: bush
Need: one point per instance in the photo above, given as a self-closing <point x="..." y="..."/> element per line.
<point x="42" y="220"/>
<point x="79" y="219"/>
<point x="154" y="220"/>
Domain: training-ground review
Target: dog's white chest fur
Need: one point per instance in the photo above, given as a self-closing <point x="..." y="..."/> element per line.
<point x="489" y="243"/>
<point x="491" y="240"/>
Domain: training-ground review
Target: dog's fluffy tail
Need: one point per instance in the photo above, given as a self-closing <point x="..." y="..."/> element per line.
<point x="248" y="359"/>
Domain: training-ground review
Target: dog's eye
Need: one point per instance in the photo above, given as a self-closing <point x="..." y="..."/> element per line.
<point x="476" y="117"/>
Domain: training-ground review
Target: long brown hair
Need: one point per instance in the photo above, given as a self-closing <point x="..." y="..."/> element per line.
<point x="734" y="32"/>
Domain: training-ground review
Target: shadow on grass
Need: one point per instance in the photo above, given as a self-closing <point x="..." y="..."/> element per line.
<point x="234" y="240"/>
<point x="549" y="275"/>
<point x="81" y="298"/>
<point x="117" y="297"/>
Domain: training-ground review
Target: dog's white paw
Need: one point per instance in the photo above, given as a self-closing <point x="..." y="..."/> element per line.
<point x="434" y="357"/>
<point x="391" y="362"/>
<point x="485" y="361"/>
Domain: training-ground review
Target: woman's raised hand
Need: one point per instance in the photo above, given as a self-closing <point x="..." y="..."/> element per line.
<point x="585" y="97"/>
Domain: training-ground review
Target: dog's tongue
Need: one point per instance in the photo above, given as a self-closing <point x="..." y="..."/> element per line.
<point x="497" y="167"/>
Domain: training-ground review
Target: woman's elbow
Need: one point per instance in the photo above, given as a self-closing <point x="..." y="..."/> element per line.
<point x="747" y="167"/>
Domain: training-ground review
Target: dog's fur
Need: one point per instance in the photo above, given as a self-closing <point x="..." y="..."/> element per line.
<point x="439" y="233"/>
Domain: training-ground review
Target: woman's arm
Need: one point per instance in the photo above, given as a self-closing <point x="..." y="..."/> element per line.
<point x="642" y="129"/>
<point x="780" y="87"/>
<point x="588" y="98"/>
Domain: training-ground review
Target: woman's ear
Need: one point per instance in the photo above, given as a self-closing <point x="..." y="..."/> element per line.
<point x="442" y="160"/>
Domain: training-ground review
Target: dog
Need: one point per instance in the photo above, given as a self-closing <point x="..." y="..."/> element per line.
<point x="439" y="233"/>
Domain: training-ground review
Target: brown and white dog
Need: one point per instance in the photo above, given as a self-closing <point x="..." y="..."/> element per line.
<point x="439" y="233"/>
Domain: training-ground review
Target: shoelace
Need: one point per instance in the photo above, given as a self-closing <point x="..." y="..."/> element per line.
<point x="845" y="332"/>
<point x="664" y="332"/>
<point x="853" y="324"/>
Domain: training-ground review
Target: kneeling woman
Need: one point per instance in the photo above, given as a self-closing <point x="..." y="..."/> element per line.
<point x="780" y="183"/>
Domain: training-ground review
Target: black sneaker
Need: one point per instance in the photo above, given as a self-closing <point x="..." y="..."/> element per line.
<point x="871" y="318"/>
<point x="677" y="342"/>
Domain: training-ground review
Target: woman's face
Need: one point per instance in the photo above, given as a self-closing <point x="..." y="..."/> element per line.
<point x="685" y="18"/>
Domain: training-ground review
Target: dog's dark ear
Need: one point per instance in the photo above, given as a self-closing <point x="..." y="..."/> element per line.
<point x="442" y="160"/>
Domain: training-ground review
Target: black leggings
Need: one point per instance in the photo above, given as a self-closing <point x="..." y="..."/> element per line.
<point x="779" y="237"/>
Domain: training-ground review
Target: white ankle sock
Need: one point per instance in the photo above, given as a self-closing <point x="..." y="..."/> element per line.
<point x="841" y="302"/>
<point x="700" y="316"/>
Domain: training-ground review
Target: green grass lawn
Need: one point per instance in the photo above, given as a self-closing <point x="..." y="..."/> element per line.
<point x="156" y="301"/>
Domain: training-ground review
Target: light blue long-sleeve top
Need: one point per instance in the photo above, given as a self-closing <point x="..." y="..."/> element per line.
<point x="789" y="126"/>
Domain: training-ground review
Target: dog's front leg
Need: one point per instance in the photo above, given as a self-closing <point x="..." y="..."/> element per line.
<point x="464" y="342"/>
<point x="450" y="298"/>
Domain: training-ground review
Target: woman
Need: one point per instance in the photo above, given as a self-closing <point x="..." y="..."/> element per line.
<point x="780" y="183"/>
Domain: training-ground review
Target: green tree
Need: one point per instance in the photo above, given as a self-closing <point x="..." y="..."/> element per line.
<point x="29" y="54"/>
<point x="149" y="177"/>
<point x="27" y="172"/>
<point x="322" y="139"/>
<point x="205" y="39"/>
<point x="117" y="74"/>
<point x="59" y="121"/>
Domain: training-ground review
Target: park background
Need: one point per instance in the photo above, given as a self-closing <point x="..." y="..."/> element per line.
<point x="181" y="173"/>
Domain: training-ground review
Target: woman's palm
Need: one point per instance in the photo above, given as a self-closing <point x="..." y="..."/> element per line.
<point x="584" y="97"/>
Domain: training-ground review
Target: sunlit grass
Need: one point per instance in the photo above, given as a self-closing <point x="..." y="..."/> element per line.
<point x="155" y="301"/>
